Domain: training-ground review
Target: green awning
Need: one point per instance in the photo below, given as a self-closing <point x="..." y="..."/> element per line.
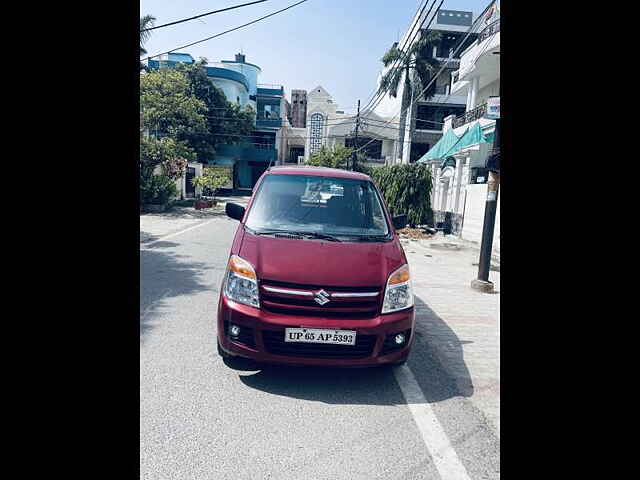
<point x="472" y="136"/>
<point x="441" y="147"/>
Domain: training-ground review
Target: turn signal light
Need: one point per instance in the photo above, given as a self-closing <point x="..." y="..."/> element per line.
<point x="241" y="267"/>
<point x="399" y="276"/>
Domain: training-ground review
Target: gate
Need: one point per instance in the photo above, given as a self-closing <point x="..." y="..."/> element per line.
<point x="189" y="176"/>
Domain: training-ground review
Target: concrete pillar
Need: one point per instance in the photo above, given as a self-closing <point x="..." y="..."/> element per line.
<point x="475" y="82"/>
<point x="448" y="123"/>
<point x="406" y="148"/>
<point x="458" y="185"/>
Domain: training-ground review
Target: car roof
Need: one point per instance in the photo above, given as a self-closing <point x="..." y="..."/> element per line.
<point x="318" y="172"/>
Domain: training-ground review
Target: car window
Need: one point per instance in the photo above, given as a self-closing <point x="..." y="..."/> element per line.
<point x="335" y="206"/>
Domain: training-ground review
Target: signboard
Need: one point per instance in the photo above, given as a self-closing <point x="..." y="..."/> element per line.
<point x="493" y="108"/>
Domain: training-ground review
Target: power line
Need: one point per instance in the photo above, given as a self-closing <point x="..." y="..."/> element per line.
<point x="227" y="31"/>
<point x="397" y="64"/>
<point x="377" y="90"/>
<point x="439" y="72"/>
<point x="202" y="15"/>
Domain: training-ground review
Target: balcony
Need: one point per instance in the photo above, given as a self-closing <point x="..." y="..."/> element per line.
<point x="480" y="60"/>
<point x="470" y="116"/>
<point x="250" y="152"/>
<point x="268" y="121"/>
<point x="269" y="90"/>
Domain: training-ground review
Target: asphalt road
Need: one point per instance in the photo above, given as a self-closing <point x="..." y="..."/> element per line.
<point x="200" y="419"/>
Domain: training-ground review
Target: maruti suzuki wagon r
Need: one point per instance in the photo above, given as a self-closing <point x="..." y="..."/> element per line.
<point x="316" y="274"/>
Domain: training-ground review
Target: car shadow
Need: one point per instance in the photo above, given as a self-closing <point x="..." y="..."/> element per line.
<point x="163" y="275"/>
<point x="436" y="361"/>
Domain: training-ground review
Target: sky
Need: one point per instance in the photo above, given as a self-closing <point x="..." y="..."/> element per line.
<point x="334" y="43"/>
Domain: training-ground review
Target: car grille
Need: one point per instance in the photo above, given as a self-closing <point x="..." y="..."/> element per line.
<point x="301" y="301"/>
<point x="274" y="343"/>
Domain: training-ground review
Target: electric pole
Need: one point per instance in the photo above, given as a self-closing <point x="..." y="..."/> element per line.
<point x="482" y="283"/>
<point x="353" y="159"/>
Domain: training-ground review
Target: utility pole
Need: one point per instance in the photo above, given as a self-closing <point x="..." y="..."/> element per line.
<point x="353" y="157"/>
<point x="482" y="283"/>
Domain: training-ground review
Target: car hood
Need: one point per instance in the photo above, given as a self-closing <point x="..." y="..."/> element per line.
<point x="318" y="262"/>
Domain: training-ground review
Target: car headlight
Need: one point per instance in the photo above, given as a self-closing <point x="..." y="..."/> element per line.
<point x="241" y="284"/>
<point x="398" y="295"/>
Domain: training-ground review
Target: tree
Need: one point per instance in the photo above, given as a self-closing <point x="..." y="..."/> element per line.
<point x="145" y="22"/>
<point x="332" y="158"/>
<point x="416" y="69"/>
<point x="168" y="105"/>
<point x="406" y="190"/>
<point x="339" y="157"/>
<point x="226" y="122"/>
<point x="162" y="162"/>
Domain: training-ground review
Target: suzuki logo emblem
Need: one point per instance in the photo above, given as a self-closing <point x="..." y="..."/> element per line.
<point x="321" y="297"/>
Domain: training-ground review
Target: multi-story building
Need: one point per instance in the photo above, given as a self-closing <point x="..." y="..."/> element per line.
<point x="459" y="172"/>
<point x="425" y="118"/>
<point x="238" y="79"/>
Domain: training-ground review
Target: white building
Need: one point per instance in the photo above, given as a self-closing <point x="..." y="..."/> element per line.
<point x="328" y="126"/>
<point x="423" y="126"/>
<point x="460" y="189"/>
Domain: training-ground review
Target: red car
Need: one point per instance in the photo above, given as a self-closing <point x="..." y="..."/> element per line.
<point x="316" y="274"/>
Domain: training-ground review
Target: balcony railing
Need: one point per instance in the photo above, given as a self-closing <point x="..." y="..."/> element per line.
<point x="489" y="30"/>
<point x="470" y="116"/>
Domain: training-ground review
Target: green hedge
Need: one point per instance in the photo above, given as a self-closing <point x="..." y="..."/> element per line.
<point x="406" y="189"/>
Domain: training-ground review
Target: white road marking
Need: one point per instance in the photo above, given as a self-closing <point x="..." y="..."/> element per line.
<point x="162" y="239"/>
<point x="442" y="452"/>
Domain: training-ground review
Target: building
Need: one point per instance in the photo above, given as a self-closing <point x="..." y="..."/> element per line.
<point x="298" y="117"/>
<point x="326" y="125"/>
<point x="238" y="80"/>
<point x="425" y="118"/>
<point x="458" y="161"/>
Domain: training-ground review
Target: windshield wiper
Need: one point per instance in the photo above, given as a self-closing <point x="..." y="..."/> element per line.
<point x="321" y="236"/>
<point x="372" y="238"/>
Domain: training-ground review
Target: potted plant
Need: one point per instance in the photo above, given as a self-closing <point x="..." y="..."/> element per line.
<point x="211" y="180"/>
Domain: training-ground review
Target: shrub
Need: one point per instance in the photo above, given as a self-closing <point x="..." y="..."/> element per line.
<point x="157" y="189"/>
<point x="406" y="189"/>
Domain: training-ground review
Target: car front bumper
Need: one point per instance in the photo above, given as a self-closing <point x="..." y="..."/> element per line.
<point x="261" y="328"/>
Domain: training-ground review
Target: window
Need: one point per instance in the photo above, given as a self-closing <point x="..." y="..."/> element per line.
<point x="317" y="130"/>
<point x="334" y="206"/>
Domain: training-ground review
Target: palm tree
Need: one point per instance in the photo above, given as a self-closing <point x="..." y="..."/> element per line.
<point x="416" y="69"/>
<point x="145" y="22"/>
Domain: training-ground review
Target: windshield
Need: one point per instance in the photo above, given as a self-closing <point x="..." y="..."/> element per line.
<point x="332" y="206"/>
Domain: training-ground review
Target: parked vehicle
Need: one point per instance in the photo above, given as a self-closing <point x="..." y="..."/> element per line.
<point x="316" y="274"/>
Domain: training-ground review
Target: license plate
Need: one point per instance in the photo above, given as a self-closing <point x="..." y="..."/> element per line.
<point x="320" y="335"/>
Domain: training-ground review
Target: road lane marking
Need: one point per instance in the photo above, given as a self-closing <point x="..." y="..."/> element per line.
<point x="442" y="452"/>
<point x="175" y="234"/>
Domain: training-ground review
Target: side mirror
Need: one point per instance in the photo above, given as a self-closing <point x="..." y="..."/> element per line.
<point x="399" y="222"/>
<point x="234" y="211"/>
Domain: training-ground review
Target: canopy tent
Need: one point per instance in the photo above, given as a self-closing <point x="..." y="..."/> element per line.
<point x="442" y="146"/>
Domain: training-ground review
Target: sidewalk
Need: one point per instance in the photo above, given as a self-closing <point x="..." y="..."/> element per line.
<point x="459" y="324"/>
